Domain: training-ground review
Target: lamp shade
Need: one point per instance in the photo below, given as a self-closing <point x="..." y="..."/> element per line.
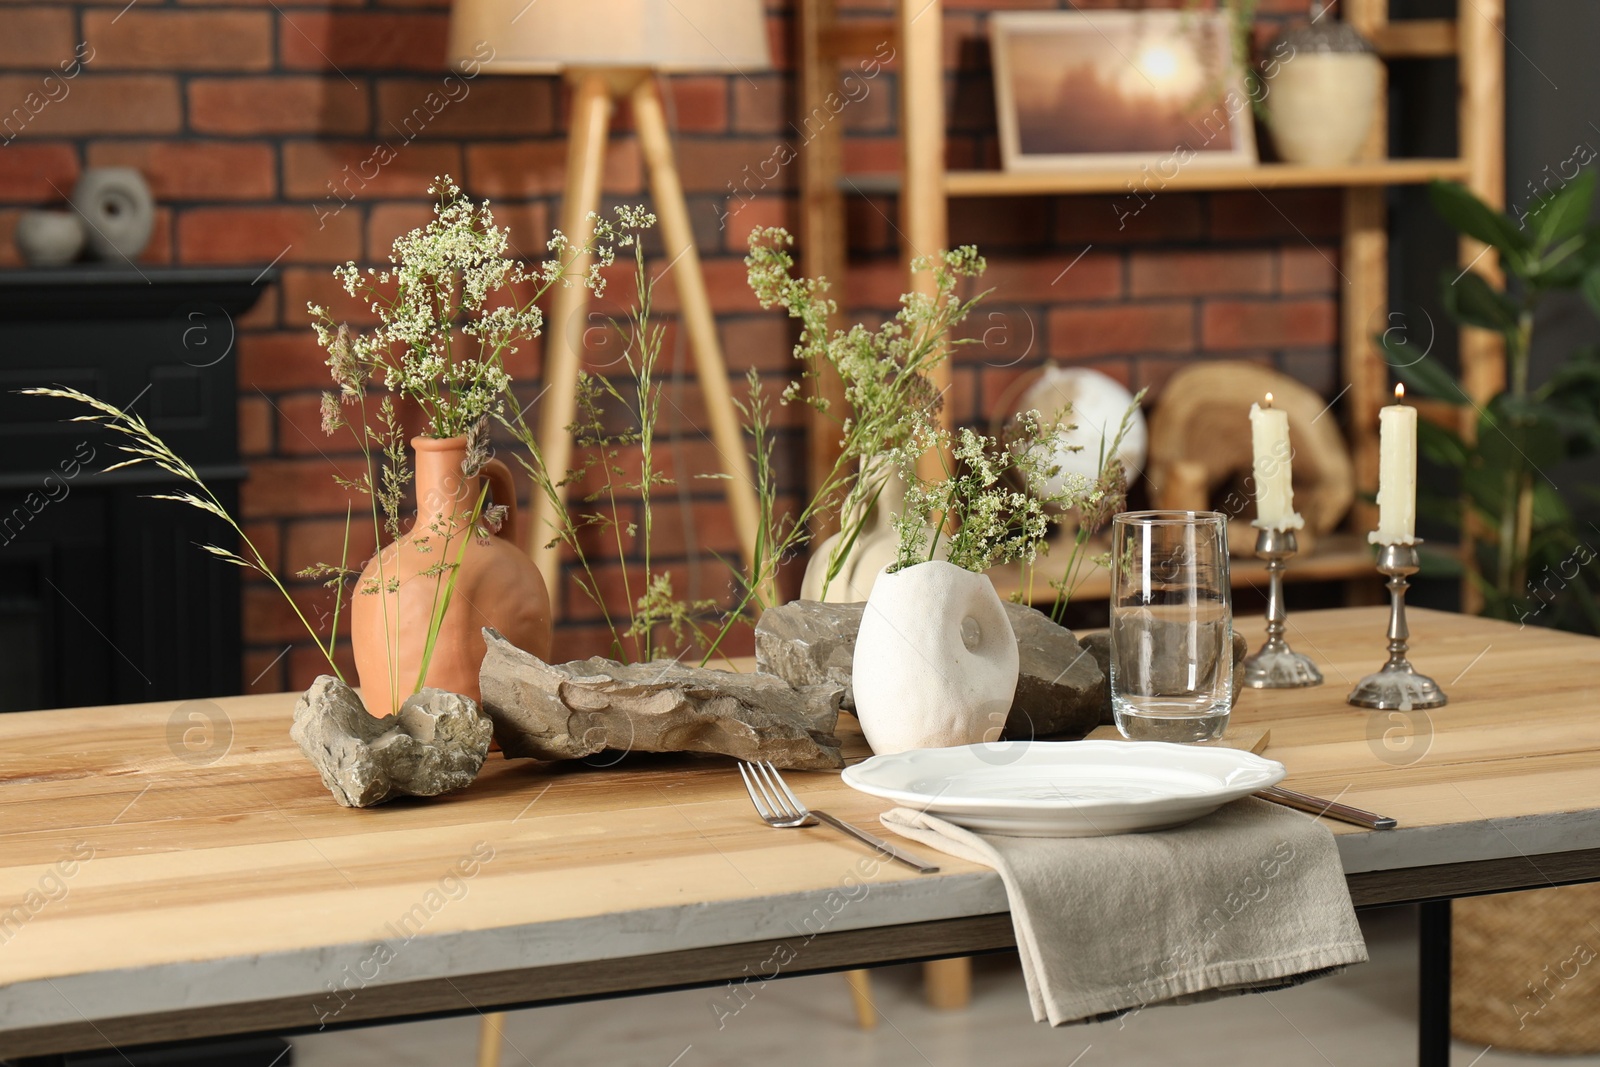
<point x="550" y="36"/>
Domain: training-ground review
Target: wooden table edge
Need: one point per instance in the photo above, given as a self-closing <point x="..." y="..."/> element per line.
<point x="741" y="968"/>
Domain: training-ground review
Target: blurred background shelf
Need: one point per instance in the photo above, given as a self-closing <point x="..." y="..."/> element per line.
<point x="1335" y="557"/>
<point x="1193" y="177"/>
<point x="927" y="190"/>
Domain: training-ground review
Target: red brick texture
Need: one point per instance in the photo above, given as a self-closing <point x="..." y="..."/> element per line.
<point x="267" y="131"/>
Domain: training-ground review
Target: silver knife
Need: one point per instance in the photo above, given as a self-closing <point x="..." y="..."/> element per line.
<point x="1332" y="809"/>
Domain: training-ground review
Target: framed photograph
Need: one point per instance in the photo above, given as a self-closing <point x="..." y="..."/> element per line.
<point x="1114" y="89"/>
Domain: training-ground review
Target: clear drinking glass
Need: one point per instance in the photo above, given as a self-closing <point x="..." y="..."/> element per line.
<point x="1171" y="625"/>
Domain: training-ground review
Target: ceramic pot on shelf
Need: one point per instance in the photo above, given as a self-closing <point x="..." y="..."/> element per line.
<point x="1324" y="94"/>
<point x="49" y="238"/>
<point x="496" y="585"/>
<point x="935" y="661"/>
<point x="118" y="211"/>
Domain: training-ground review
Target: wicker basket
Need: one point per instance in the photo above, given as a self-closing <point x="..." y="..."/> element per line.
<point x="1525" y="970"/>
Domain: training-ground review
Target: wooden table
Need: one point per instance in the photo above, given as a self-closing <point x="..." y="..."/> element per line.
<point x="160" y="890"/>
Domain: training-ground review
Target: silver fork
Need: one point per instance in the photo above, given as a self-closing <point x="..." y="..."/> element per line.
<point x="778" y="806"/>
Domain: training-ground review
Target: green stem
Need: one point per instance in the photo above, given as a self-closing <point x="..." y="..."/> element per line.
<point x="338" y="593"/>
<point x="622" y="554"/>
<point x="1521" y="347"/>
<point x="566" y="534"/>
<point x="391" y="652"/>
<point x="849" y="533"/>
<point x="448" y="581"/>
<point x="1513" y="533"/>
<point x="949" y="504"/>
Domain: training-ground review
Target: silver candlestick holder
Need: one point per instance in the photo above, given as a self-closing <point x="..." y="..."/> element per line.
<point x="1276" y="665"/>
<point x="1397" y="686"/>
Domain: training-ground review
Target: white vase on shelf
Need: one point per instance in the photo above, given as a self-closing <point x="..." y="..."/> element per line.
<point x="1323" y="96"/>
<point x="935" y="661"/>
<point x="1322" y="105"/>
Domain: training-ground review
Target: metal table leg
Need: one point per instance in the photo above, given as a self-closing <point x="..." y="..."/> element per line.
<point x="1433" y="985"/>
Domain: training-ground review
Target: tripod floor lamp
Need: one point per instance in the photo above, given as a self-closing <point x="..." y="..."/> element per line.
<point x="610" y="50"/>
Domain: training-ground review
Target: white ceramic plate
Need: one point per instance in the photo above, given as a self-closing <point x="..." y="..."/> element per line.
<point x="1066" y="788"/>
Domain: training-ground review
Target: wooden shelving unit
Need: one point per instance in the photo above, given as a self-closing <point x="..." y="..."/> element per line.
<point x="926" y="189"/>
<point x="968" y="183"/>
<point x="1335" y="557"/>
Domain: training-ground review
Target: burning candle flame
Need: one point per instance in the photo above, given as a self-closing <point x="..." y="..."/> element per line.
<point x="1269" y="400"/>
<point x="1399" y="391"/>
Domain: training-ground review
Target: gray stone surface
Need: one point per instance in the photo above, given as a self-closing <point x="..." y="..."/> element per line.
<point x="1060" y="691"/>
<point x="571" y="710"/>
<point x="435" y="743"/>
<point x="1060" y="687"/>
<point x="809" y="642"/>
<point x="1098" y="644"/>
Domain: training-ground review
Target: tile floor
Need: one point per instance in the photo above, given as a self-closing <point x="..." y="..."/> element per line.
<point x="1363" y="1018"/>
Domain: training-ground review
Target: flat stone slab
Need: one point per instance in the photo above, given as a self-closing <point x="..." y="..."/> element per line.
<point x="571" y="710"/>
<point x="436" y="743"/>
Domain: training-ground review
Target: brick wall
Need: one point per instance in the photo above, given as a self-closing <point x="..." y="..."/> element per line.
<point x="245" y="115"/>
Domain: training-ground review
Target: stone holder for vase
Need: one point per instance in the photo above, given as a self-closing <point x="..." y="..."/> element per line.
<point x="435" y="743"/>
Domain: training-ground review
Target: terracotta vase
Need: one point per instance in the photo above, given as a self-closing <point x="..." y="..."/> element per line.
<point x="496" y="584"/>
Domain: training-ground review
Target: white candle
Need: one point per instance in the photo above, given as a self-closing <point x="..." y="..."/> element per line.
<point x="1397" y="474"/>
<point x="1273" y="468"/>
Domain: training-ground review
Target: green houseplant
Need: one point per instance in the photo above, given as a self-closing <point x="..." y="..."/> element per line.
<point x="1529" y="548"/>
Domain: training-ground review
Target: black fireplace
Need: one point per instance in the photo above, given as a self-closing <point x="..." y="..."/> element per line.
<point x="105" y="597"/>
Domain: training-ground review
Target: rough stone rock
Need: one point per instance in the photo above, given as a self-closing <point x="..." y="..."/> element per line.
<point x="809" y="642"/>
<point x="1061" y="687"/>
<point x="1060" y="690"/>
<point x="435" y="743"/>
<point x="1098" y="644"/>
<point x="571" y="710"/>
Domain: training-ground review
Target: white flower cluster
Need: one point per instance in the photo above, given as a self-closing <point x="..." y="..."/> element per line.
<point x="1000" y="520"/>
<point x="995" y="495"/>
<point x="452" y="284"/>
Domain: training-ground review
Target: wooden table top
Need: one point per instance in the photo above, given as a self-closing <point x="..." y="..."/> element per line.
<point x="147" y="882"/>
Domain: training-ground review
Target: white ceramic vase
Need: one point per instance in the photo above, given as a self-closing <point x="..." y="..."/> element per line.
<point x="875" y="548"/>
<point x="1321" y="105"/>
<point x="936" y="660"/>
<point x="49" y="238"/>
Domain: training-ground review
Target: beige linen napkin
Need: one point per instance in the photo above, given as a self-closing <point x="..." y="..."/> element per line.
<point x="1248" y="899"/>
